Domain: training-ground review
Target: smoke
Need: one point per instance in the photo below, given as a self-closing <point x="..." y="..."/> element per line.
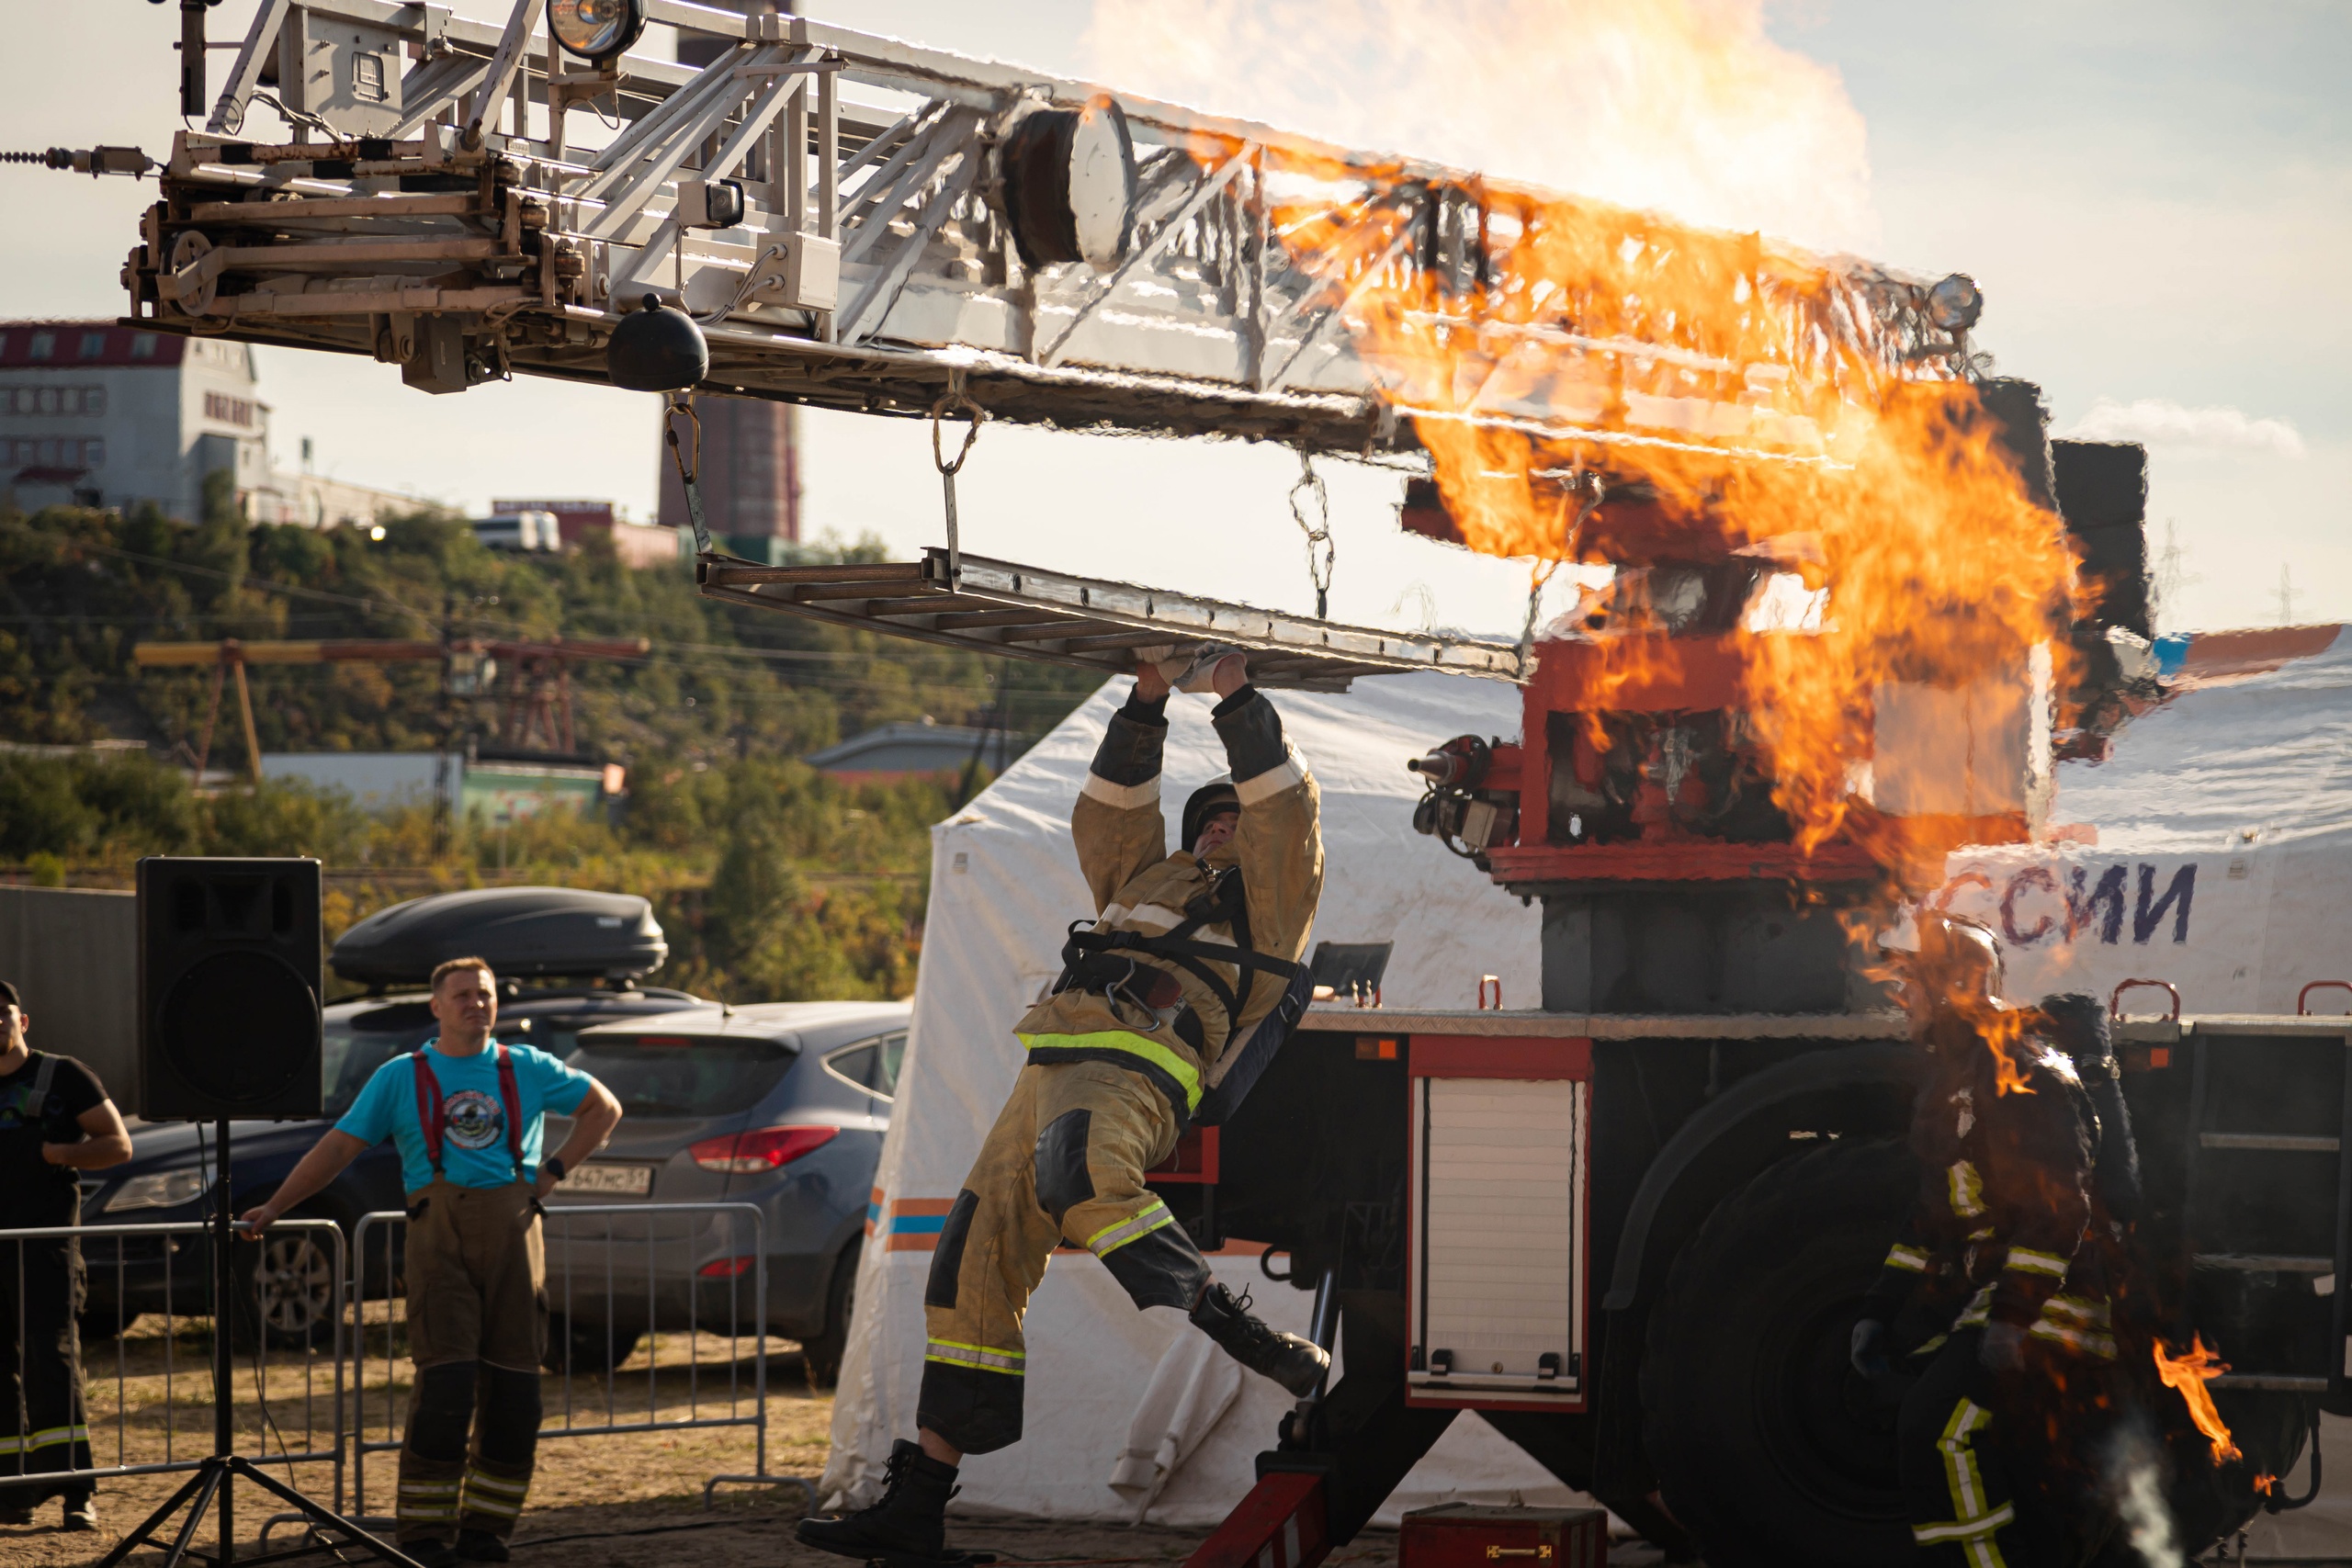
<point x="2134" y="1478"/>
<point x="2158" y="421"/>
<point x="1678" y="106"/>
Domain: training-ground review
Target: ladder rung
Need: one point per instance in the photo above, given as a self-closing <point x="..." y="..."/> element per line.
<point x="2263" y="1263"/>
<point x="2280" y="1143"/>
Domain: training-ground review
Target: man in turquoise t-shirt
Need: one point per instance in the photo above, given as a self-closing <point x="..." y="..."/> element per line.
<point x="466" y="1117"/>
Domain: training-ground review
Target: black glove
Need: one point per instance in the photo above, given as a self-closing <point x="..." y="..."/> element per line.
<point x="1869" y="1350"/>
<point x="2003" y="1349"/>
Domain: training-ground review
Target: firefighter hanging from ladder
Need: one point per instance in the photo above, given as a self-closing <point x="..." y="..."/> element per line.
<point x="1170" y="1002"/>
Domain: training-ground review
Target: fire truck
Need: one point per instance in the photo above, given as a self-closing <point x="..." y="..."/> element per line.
<point x="1631" y="1227"/>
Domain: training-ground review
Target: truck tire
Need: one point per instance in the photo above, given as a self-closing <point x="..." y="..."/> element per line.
<point x="1769" y="1448"/>
<point x="2209" y="1502"/>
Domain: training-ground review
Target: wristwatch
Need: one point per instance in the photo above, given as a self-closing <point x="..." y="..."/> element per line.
<point x="554" y="1164"/>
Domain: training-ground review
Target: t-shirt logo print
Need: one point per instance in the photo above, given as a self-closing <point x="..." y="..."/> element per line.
<point x="476" y="1120"/>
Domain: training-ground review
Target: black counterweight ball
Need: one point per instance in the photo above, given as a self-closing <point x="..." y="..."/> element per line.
<point x="657" y="349"/>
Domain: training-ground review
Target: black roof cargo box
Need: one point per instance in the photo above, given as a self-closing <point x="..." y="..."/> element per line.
<point x="519" y="931"/>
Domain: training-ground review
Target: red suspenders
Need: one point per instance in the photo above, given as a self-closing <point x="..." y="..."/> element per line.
<point x="434" y="1119"/>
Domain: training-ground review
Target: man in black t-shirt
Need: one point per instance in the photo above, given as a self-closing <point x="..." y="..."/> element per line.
<point x="55" y="1120"/>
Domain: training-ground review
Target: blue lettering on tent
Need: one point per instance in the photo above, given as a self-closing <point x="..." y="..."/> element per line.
<point x="2144" y="918"/>
<point x="2094" y="902"/>
<point x="2031" y="876"/>
<point x="2104" y="901"/>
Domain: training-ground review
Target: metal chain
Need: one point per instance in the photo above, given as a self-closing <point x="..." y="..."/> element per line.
<point x="689" y="467"/>
<point x="1318" y="532"/>
<point x="957" y="397"/>
<point x="1587" y="491"/>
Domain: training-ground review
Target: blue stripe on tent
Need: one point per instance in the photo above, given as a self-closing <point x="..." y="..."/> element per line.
<point x="918" y="1225"/>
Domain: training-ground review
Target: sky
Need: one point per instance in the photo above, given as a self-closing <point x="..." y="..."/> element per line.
<point x="2156" y="196"/>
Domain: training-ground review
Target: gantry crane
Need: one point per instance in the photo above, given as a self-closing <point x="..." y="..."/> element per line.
<point x="534" y="705"/>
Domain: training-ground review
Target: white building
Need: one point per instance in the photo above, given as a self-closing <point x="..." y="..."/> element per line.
<point x="99" y="414"/>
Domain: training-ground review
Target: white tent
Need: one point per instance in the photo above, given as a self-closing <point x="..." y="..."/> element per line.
<point x="2246" y="782"/>
<point x="1104" y="1379"/>
<point x="2211" y="850"/>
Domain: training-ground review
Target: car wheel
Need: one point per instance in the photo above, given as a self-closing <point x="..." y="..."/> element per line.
<point x="820" y="1358"/>
<point x="292" y="1297"/>
<point x="576" y="1345"/>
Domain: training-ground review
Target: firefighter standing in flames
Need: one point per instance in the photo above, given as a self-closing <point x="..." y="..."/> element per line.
<point x="1996" y="1265"/>
<point x="1166" y="1010"/>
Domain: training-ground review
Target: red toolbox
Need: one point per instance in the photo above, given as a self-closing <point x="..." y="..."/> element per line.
<point x="1464" y="1535"/>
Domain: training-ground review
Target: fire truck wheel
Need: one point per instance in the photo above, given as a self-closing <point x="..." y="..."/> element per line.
<point x="2212" y="1502"/>
<point x="1769" y="1448"/>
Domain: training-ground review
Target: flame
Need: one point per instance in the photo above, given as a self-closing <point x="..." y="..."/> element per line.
<point x="2264" y="1484"/>
<point x="1939" y="570"/>
<point x="1737" y="391"/>
<point x="2004" y="1031"/>
<point x="2188" y="1376"/>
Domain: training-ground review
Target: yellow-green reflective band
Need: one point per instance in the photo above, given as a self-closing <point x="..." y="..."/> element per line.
<point x="2094" y="1343"/>
<point x="1979" y="1307"/>
<point x="1904" y="1258"/>
<point x="47" y="1437"/>
<point x="1967" y="1190"/>
<point x="2026" y="1260"/>
<point x="1187" y="1077"/>
<point x="1959" y="1446"/>
<point x="2081" y="1311"/>
<point x="477" y="1482"/>
<point x="987" y="1359"/>
<point x="476" y="1504"/>
<point x="1962" y="1529"/>
<point x="1111" y="1238"/>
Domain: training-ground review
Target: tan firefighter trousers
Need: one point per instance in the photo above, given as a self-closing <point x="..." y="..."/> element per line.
<point x="477" y="1327"/>
<point x="1065" y="1161"/>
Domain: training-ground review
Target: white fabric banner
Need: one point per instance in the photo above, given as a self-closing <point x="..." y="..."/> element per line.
<point x="2221" y="860"/>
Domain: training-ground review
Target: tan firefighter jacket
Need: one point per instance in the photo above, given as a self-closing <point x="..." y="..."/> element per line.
<point x="1161" y="1017"/>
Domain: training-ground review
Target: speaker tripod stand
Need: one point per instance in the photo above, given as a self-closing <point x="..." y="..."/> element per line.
<point x="210" y="1486"/>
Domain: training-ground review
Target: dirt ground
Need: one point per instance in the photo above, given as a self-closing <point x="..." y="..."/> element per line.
<point x="624" y="1501"/>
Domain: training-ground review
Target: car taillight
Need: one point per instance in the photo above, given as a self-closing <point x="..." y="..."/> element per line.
<point x="762" y="1149"/>
<point x="726" y="1268"/>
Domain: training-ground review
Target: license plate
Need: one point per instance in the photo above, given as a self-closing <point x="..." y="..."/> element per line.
<point x="623" y="1180"/>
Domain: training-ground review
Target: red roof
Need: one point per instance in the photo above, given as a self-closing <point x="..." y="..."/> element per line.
<point x="72" y="346"/>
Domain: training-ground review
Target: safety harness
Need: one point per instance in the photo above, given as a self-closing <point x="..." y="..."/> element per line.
<point x="434" y="1118"/>
<point x="36" y="1106"/>
<point x="1103" y="961"/>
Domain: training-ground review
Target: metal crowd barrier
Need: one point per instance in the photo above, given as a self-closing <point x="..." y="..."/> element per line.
<point x="298" y="1310"/>
<point x="615" y="1272"/>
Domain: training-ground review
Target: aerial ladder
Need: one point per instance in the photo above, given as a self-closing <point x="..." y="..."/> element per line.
<point x="862" y="224"/>
<point x="857" y="223"/>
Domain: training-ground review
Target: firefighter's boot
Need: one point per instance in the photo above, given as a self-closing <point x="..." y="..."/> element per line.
<point x="909" y="1523"/>
<point x="1297" y="1364"/>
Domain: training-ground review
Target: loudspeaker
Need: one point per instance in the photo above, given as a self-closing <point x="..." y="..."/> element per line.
<point x="230" y="977"/>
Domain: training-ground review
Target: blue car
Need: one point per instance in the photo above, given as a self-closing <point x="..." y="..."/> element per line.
<point x="781" y="1105"/>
